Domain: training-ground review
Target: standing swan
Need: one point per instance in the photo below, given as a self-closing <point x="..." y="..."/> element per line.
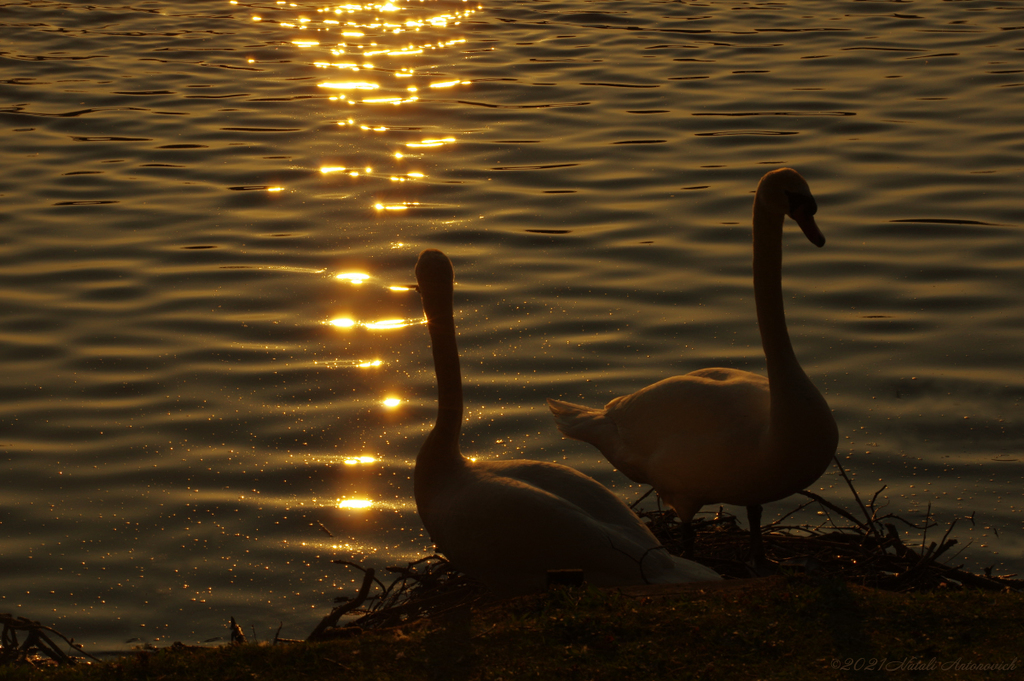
<point x="723" y="435"/>
<point x="507" y="523"/>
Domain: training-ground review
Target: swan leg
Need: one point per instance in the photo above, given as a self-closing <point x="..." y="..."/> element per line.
<point x="689" y="535"/>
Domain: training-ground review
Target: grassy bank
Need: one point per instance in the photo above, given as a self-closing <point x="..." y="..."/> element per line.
<point x="770" y="628"/>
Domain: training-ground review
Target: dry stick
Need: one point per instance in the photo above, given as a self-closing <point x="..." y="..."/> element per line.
<point x="332" y="619"/>
<point x="637" y="502"/>
<point x="399" y="585"/>
<point x="795" y="510"/>
<point x="924" y="535"/>
<point x="849" y="483"/>
<point x="871" y="505"/>
<point x="361" y="569"/>
<point x="829" y="505"/>
<point x="35" y="629"/>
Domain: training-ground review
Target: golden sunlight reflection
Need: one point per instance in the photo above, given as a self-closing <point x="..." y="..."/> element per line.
<point x="391" y="402"/>
<point x="352" y="277"/>
<point x="326" y="64"/>
<point x="385" y="52"/>
<point x="431" y="142"/>
<point x="448" y="83"/>
<point x="381" y="325"/>
<point x="356" y="363"/>
<point x="354" y="503"/>
<point x="390" y="100"/>
<point x="387" y="324"/>
<point x="349" y="86"/>
<point x="356" y="460"/>
<point x="396" y="206"/>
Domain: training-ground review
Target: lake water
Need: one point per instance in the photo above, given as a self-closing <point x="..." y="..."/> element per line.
<point x="205" y="206"/>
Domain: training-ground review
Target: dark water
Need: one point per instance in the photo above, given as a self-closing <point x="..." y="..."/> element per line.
<point x="184" y="185"/>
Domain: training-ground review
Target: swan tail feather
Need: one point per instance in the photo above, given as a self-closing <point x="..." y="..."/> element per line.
<point x="575" y="420"/>
<point x="590" y="425"/>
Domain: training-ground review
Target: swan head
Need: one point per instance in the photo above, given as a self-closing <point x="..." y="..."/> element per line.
<point x="435" y="279"/>
<point x="785" y="192"/>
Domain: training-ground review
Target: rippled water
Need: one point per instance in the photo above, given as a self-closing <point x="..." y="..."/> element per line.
<point x="194" y="378"/>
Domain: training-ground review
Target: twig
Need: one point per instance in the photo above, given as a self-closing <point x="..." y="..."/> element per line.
<point x="35" y="641"/>
<point x="637" y="502"/>
<point x="828" y="504"/>
<point x="360" y="568"/>
<point x="331" y="620"/>
<point x="849" y="483"/>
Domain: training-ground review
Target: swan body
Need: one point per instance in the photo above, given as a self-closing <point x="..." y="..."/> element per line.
<point x="722" y="435"/>
<point x="507" y="523"/>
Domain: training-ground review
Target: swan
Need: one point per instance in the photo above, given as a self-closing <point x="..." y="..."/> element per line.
<point x="507" y="523"/>
<point x="723" y="435"/>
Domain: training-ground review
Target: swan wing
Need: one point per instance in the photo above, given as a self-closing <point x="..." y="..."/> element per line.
<point x="509" y="533"/>
<point x="578" y="489"/>
<point x="694" y="433"/>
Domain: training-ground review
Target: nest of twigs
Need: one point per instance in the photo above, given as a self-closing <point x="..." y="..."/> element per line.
<point x="24" y="641"/>
<point x="868" y="551"/>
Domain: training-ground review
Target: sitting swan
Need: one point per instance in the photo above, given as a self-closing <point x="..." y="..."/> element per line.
<point x="722" y="435"/>
<point x="507" y="523"/>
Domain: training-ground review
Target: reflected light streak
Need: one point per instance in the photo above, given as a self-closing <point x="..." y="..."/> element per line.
<point x="305" y="43"/>
<point x="389" y="100"/>
<point x="356" y="460"/>
<point x="401" y="288"/>
<point x="275" y="189"/>
<point x="355" y="363"/>
<point x="327" y="64"/>
<point x="381" y="325"/>
<point x="391" y="402"/>
<point x="395" y="207"/>
<point x="431" y="143"/>
<point x="353" y="277"/>
<point x="354" y="503"/>
<point x="387" y="324"/>
<point x="332" y="169"/>
<point x="349" y="86"/>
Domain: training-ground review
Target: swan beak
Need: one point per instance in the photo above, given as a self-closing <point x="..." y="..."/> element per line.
<point x="805" y="219"/>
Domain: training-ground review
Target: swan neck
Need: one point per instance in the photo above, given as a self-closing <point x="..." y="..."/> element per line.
<point x="441" y="449"/>
<point x="449" y="374"/>
<point x="771" y="315"/>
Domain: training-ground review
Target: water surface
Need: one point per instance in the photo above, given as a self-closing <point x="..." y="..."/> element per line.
<point x="208" y="209"/>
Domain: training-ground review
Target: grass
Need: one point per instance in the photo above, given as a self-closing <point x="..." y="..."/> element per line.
<point x="781" y="627"/>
